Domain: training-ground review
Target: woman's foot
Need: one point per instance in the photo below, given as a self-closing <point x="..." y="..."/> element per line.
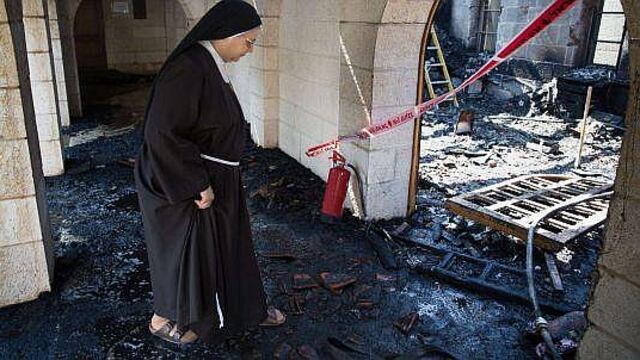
<point x="275" y="317"/>
<point x="167" y="330"/>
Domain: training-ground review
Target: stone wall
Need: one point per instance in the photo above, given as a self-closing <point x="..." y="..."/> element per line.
<point x="614" y="314"/>
<point x="339" y="66"/>
<point x="564" y="42"/>
<point x="142" y="45"/>
<point x="26" y="263"/>
<point x="464" y="23"/>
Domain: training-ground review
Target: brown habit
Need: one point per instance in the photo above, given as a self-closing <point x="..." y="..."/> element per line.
<point x="195" y="254"/>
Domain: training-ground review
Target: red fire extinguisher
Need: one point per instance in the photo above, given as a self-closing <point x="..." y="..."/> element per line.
<point x="336" y="189"/>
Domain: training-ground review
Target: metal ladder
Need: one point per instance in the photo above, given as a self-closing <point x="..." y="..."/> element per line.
<point x="433" y="46"/>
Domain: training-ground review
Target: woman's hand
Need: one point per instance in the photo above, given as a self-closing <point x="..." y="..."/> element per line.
<point x="206" y="198"/>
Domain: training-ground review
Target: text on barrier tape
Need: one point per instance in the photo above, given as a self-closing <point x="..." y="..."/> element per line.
<point x="550" y="14"/>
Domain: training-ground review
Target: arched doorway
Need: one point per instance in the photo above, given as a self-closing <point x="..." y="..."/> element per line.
<point x="89" y="36"/>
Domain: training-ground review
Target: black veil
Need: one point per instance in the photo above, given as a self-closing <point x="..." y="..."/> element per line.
<point x="225" y="19"/>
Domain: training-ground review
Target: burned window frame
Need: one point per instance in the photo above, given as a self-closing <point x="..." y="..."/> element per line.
<point x="595" y="32"/>
<point x="483" y="33"/>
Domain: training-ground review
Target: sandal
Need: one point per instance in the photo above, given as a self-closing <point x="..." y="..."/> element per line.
<point x="275" y="317"/>
<point x="165" y="331"/>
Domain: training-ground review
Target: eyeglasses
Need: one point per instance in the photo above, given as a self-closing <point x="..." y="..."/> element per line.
<point x="251" y="42"/>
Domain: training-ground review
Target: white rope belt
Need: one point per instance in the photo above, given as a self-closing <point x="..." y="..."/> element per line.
<point x="215" y="159"/>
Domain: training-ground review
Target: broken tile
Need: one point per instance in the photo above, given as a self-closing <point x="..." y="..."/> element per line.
<point x="336" y="282"/>
<point x="303" y="282"/>
<point x="406" y="323"/>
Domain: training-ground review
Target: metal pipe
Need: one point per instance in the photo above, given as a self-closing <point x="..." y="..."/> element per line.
<point x="541" y="322"/>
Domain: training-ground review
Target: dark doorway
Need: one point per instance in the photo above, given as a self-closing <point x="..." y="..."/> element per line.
<point x="89" y="36"/>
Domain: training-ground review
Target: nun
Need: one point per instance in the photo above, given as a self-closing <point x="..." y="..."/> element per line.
<point x="204" y="276"/>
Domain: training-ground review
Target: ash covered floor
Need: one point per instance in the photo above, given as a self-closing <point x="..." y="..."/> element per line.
<point x="101" y="298"/>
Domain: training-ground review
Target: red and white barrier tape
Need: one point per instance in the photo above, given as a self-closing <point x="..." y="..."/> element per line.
<point x="550" y="14"/>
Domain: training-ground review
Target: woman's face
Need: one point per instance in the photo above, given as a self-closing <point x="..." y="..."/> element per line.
<point x="233" y="48"/>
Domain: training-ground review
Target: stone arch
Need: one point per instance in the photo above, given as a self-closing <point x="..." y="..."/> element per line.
<point x="394" y="88"/>
<point x="67" y="10"/>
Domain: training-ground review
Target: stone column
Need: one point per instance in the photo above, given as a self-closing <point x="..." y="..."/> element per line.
<point x="66" y="12"/>
<point x="379" y="78"/>
<point x="43" y="86"/>
<point x="614" y="312"/>
<point x="258" y="78"/>
<point x="56" y="47"/>
<point x="26" y="261"/>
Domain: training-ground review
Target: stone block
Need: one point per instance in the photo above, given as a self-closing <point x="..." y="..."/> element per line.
<point x="289" y="140"/>
<point x="53" y="10"/>
<point x="317" y="69"/>
<point x="321" y="101"/>
<point x="407" y="11"/>
<point x="56" y="48"/>
<point x="598" y="345"/>
<point x="52" y="163"/>
<point x="270" y="32"/>
<point x="16" y="180"/>
<point x="621" y="249"/>
<point x="286" y="111"/>
<point x="387" y="200"/>
<point x="398" y="46"/>
<point x="43" y="98"/>
<point x="48" y="128"/>
<point x="357" y="44"/>
<point x="363" y="11"/>
<point x="23" y="274"/>
<point x="271" y="134"/>
<point x="614" y="307"/>
<point x="290" y="87"/>
<point x="11" y="115"/>
<point x="150" y="57"/>
<point x="147" y="32"/>
<point x="381" y="166"/>
<point x="8" y="66"/>
<point x="356" y="85"/>
<point x="3" y="13"/>
<point x="265" y="109"/>
<point x="54" y="29"/>
<point x="270" y="59"/>
<point x="319" y="11"/>
<point x="515" y="14"/>
<point x="36" y="35"/>
<point x="122" y="58"/>
<point x="20" y="221"/>
<point x="268" y="8"/>
<point x="353" y="117"/>
<point x="32" y="8"/>
<point x="149" y="44"/>
<point x="320" y="38"/>
<point x="392" y="88"/>
<point x="65" y="116"/>
<point x="311" y="125"/>
<point x="40" y="67"/>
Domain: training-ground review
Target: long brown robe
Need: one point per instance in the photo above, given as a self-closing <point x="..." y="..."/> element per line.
<point x="196" y="256"/>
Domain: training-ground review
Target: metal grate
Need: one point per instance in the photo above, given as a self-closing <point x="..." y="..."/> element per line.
<point x="511" y="207"/>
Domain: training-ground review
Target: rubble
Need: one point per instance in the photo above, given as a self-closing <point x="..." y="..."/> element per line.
<point x="407" y="322"/>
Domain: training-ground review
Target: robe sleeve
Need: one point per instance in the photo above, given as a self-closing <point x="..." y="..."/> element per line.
<point x="173" y="115"/>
